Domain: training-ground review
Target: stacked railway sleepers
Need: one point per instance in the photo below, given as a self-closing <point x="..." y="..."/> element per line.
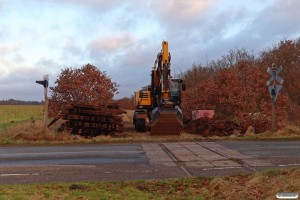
<point x="91" y="121"/>
<point x="213" y="127"/>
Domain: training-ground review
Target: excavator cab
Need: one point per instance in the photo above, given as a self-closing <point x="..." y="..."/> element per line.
<point x="143" y="108"/>
<point x="176" y="88"/>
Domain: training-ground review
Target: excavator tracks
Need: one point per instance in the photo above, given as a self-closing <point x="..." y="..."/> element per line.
<point x="166" y="121"/>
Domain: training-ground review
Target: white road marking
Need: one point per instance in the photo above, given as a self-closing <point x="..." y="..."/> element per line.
<point x="132" y="171"/>
<point x="220" y="168"/>
<point x="14" y="174"/>
<point x="5" y="175"/>
<point x="71" y="165"/>
<point x="289" y="165"/>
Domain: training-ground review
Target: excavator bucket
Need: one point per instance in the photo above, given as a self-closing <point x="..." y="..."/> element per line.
<point x="166" y="121"/>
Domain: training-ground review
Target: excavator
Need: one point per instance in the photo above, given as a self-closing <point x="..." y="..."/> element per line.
<point x="160" y="102"/>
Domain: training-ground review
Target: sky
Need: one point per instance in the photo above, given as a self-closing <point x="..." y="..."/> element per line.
<point x="123" y="37"/>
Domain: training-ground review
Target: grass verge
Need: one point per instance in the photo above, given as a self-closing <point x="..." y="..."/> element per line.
<point x="26" y="134"/>
<point x="260" y="185"/>
<point x="16" y="127"/>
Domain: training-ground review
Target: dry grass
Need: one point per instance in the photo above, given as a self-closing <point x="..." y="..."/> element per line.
<point x="25" y="133"/>
<point x="288" y="131"/>
<point x="128" y="117"/>
<point x="261" y="185"/>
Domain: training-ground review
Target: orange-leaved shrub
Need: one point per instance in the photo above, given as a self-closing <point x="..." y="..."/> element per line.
<point x="86" y="85"/>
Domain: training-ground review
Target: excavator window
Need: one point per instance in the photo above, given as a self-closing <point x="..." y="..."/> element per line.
<point x="183" y="86"/>
<point x="174" y="88"/>
<point x="141" y="94"/>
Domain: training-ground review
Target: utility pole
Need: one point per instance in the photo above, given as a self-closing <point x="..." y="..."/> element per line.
<point x="45" y="83"/>
<point x="274" y="86"/>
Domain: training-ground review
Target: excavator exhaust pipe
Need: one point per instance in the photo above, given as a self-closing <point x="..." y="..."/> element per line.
<point x="166" y="121"/>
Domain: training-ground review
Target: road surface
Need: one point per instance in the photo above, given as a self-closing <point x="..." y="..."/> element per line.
<point x="42" y="164"/>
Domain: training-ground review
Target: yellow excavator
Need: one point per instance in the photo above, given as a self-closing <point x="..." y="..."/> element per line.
<point x="160" y="102"/>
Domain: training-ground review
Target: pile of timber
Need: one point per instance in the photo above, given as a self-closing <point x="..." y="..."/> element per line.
<point x="91" y="121"/>
<point x="207" y="127"/>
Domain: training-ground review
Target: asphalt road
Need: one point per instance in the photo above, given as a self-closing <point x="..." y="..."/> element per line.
<point x="41" y="164"/>
<point x="266" y="149"/>
<point x="71" y="155"/>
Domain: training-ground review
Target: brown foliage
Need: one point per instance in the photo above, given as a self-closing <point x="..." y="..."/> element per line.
<point x="87" y="85"/>
<point x="196" y="74"/>
<point x="126" y="103"/>
<point x="213" y="127"/>
<point x="238" y="93"/>
<point x="287" y="54"/>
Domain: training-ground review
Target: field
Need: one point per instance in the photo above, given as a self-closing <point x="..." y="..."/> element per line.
<point x="11" y="115"/>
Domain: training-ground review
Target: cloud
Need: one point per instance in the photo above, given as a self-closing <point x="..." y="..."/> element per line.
<point x="20" y="75"/>
<point x="44" y="62"/>
<point x="181" y="12"/>
<point x="285" y="12"/>
<point x="108" y="50"/>
<point x="236" y="27"/>
<point x="257" y="30"/>
<point x="71" y="48"/>
<point x="9" y="48"/>
<point x="18" y="59"/>
<point x="31" y="92"/>
<point x="1" y="4"/>
<point x="99" y="5"/>
<point x="19" y="83"/>
<point x="112" y="44"/>
<point x="278" y="20"/>
<point x="72" y="53"/>
<point x="123" y="37"/>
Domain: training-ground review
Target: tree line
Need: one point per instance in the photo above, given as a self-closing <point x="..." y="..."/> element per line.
<point x="234" y="86"/>
<point x="20" y="102"/>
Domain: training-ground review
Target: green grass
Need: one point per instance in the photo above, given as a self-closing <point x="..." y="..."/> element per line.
<point x="259" y="185"/>
<point x="153" y="189"/>
<point x="10" y="115"/>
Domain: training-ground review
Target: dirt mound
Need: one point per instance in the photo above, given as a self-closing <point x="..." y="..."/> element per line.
<point x="128" y="116"/>
<point x="213" y="127"/>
